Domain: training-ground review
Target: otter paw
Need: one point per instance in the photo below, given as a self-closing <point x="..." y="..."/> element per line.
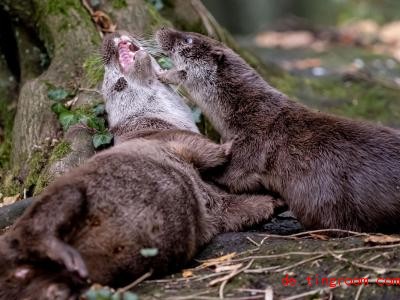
<point x="172" y="76"/>
<point x="280" y="206"/>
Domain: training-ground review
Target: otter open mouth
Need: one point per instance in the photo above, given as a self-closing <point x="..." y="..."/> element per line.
<point x="126" y="54"/>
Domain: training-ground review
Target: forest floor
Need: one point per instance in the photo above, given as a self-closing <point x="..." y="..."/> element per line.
<point x="272" y="262"/>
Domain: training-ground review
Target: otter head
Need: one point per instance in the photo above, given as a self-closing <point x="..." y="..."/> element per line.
<point x="197" y="54"/>
<point x="131" y="87"/>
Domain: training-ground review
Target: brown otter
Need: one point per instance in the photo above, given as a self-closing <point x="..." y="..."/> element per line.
<point x="93" y="222"/>
<point x="332" y="172"/>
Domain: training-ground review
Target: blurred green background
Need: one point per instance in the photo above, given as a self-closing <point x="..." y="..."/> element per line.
<point x="249" y="16"/>
<point x="340" y="56"/>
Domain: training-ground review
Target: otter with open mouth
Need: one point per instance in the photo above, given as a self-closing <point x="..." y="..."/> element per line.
<point x="135" y="98"/>
<point x="146" y="192"/>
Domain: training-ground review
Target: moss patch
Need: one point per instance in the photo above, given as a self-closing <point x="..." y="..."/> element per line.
<point x="118" y="4"/>
<point x="36" y="165"/>
<point x="94" y="70"/>
<point x="354" y="99"/>
<point x="7" y="113"/>
<point x="60" y="151"/>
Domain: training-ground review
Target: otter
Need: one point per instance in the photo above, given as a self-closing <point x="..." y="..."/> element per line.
<point x="145" y="192"/>
<point x="333" y="172"/>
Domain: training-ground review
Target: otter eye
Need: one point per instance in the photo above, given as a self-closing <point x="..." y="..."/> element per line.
<point x="188" y="40"/>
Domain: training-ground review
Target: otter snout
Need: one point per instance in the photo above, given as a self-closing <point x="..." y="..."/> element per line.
<point x="109" y="49"/>
<point x="166" y="38"/>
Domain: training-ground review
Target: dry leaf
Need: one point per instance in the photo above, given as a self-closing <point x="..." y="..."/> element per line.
<point x="104" y="21"/>
<point x="217" y="260"/>
<point x="10" y="200"/>
<point x="225" y="268"/>
<point x="382" y="239"/>
<point x="321" y="237"/>
<point x="269" y="293"/>
<point x="390" y="33"/>
<point x="286" y="40"/>
<point x="187" y="273"/>
<point x="366" y="30"/>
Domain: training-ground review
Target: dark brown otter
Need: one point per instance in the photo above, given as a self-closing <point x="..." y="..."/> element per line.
<point x="333" y="172"/>
<point x="145" y="192"/>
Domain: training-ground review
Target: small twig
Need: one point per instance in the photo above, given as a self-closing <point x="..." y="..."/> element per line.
<point x="87" y="7"/>
<point x="286" y="237"/>
<point x="328" y="230"/>
<point x="231" y="275"/>
<point x="374" y="257"/>
<point x="90" y="90"/>
<point x="299" y="263"/>
<point x="253" y="241"/>
<point x="256" y="291"/>
<point x="209" y="276"/>
<point x="262" y="270"/>
<point x="228" y="277"/>
<point x="135" y="283"/>
<point x="221" y="289"/>
<point x="378" y="270"/>
<point x="357" y="297"/>
<point x="268" y="292"/>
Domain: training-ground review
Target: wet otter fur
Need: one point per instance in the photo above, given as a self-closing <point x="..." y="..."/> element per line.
<point x="145" y="192"/>
<point x="333" y="172"/>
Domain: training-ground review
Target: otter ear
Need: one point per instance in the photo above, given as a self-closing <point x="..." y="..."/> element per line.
<point x="218" y="55"/>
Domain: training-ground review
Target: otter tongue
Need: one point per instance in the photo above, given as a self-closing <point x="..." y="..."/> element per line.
<point x="125" y="55"/>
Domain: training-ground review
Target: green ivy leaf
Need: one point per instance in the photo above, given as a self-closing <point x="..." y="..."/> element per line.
<point x="67" y="119"/>
<point x="101" y="294"/>
<point x="97" y="123"/>
<point x="165" y="63"/>
<point x="58" y="108"/>
<point x="99" y="109"/>
<point x="103" y="138"/>
<point x="149" y="252"/>
<point x="83" y="119"/>
<point x="57" y="94"/>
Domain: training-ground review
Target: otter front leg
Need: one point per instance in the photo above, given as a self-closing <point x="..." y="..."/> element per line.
<point x="173" y="76"/>
<point x="240" y="211"/>
<point x="245" y="170"/>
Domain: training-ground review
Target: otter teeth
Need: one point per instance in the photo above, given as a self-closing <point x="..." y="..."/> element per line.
<point x="125" y="54"/>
